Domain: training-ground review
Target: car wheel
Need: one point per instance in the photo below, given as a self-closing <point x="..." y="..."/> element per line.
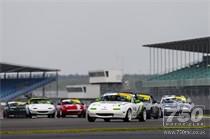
<point x="53" y="115"/>
<point x="107" y="120"/>
<point x="157" y="113"/>
<point x="190" y="114"/>
<point x="5" y="115"/>
<point x="63" y="115"/>
<point x="128" y="116"/>
<point x="91" y="119"/>
<point x="149" y="114"/>
<point x="29" y="115"/>
<point x="161" y="116"/>
<point x="84" y="115"/>
<point x="58" y="114"/>
<point x="143" y="116"/>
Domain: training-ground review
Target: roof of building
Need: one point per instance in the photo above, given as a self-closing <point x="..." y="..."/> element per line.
<point x="12" y="68"/>
<point x="201" y="45"/>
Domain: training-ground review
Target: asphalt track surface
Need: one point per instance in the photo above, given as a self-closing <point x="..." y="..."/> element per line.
<point x="81" y="123"/>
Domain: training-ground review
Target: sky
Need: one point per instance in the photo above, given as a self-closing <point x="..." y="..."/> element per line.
<point x="81" y="35"/>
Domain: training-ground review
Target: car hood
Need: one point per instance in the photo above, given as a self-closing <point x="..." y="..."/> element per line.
<point x="108" y="104"/>
<point x="170" y="104"/>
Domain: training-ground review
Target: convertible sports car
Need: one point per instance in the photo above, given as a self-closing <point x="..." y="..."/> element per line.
<point x="177" y="104"/>
<point x="71" y="107"/>
<point x="117" y="106"/>
<point x="40" y="106"/>
<point x="170" y="105"/>
<point x="14" y="109"/>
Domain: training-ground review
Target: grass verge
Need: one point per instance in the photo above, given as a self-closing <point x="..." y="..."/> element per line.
<point x="91" y="130"/>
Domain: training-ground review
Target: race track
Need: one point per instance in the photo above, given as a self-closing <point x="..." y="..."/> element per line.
<point x="73" y="123"/>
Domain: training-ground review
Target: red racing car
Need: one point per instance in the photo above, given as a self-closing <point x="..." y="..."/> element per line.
<point x="71" y="107"/>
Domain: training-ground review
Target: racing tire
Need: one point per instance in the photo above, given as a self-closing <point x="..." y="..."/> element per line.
<point x="58" y="114"/>
<point x="128" y="116"/>
<point x="5" y="115"/>
<point x="190" y="114"/>
<point x="91" y="119"/>
<point x="29" y="115"/>
<point x="149" y="114"/>
<point x="143" y="116"/>
<point x="51" y="115"/>
<point x="83" y="115"/>
<point x="63" y="115"/>
<point x="161" y="116"/>
<point x="107" y="120"/>
<point x="157" y="114"/>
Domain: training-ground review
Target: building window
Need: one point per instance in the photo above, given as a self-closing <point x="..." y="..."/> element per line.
<point x="96" y="74"/>
<point x="74" y="89"/>
<point x="107" y="73"/>
<point x="84" y="89"/>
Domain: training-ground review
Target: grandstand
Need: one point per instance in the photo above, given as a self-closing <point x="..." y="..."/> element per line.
<point x="18" y="80"/>
<point x="181" y="67"/>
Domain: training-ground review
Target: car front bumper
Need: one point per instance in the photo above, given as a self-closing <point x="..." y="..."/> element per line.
<point x="42" y="112"/>
<point x="73" y="112"/>
<point x="107" y="114"/>
<point x="168" y="111"/>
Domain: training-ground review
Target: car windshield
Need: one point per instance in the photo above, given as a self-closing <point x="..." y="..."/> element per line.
<point x="15" y="104"/>
<point x="71" y="101"/>
<point x="67" y="102"/>
<point x="40" y="101"/>
<point x="144" y="98"/>
<point x="115" y="98"/>
<point x="168" y="101"/>
<point x="179" y="99"/>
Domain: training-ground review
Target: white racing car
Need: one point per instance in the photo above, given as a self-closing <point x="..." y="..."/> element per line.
<point x="40" y="106"/>
<point x="117" y="106"/>
<point x="176" y="104"/>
